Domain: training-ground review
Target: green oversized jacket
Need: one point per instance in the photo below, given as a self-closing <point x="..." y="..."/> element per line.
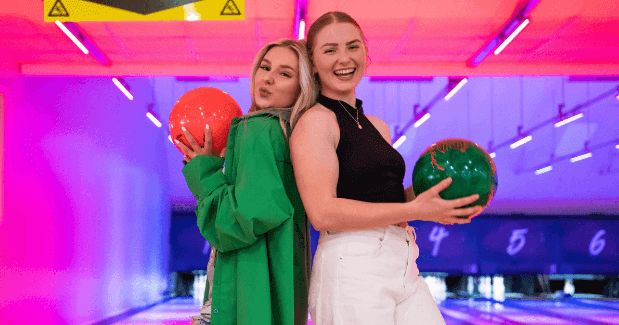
<point x="254" y="217"/>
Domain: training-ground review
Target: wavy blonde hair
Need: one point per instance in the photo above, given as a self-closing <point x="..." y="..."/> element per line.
<point x="307" y="94"/>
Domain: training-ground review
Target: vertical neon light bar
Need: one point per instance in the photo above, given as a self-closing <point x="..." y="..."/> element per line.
<point x="1" y="155"/>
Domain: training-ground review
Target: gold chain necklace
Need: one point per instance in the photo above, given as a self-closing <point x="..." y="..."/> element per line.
<point x="356" y="109"/>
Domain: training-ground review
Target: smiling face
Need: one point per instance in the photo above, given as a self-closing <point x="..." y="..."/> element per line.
<point x="276" y="82"/>
<point x="339" y="57"/>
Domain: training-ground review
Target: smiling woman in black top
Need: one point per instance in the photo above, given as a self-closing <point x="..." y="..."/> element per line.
<point x="351" y="182"/>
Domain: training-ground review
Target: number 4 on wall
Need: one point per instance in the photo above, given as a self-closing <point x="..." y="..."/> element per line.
<point x="436" y="236"/>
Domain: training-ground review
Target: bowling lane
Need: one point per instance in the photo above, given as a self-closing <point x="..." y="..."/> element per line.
<point x="455" y="316"/>
<point x="455" y="311"/>
<point x="486" y="312"/>
<point x="565" y="310"/>
<point x="173" y="312"/>
<point x="613" y="305"/>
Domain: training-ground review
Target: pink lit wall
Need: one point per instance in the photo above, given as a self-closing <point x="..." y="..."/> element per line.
<point x="86" y="208"/>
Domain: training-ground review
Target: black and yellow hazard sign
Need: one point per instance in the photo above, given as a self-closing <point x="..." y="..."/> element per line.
<point x="143" y="10"/>
<point x="58" y="10"/>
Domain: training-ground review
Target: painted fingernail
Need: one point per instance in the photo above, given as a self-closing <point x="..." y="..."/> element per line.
<point x="183" y="128"/>
<point x="207" y="127"/>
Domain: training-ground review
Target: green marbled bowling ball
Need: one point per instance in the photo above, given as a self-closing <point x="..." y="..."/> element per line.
<point x="470" y="167"/>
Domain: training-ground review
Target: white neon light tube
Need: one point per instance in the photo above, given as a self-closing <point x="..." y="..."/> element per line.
<point x="581" y="157"/>
<point x="512" y="36"/>
<point x="122" y="88"/>
<point x="302" y="29"/>
<point x="71" y="36"/>
<point x="153" y="119"/>
<point x="399" y="142"/>
<point x="568" y="120"/>
<point x="421" y="120"/>
<point x="543" y="170"/>
<point x="520" y="142"/>
<point x="456" y="88"/>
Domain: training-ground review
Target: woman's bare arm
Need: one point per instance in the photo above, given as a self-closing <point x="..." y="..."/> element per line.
<point x="312" y="150"/>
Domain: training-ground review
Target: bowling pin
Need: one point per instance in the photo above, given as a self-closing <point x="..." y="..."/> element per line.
<point x="470" y="286"/>
<point x="195" y="288"/>
<point x="498" y="288"/>
<point x="485" y="287"/>
<point x="569" y="288"/>
<point x="442" y="290"/>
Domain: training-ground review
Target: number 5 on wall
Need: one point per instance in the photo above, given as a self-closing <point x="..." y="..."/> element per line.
<point x="517" y="241"/>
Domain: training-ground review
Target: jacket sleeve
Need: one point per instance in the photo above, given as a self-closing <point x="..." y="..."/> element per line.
<point x="233" y="216"/>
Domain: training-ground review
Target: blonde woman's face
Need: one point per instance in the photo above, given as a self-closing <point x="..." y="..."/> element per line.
<point x="276" y="83"/>
<point x="339" y="58"/>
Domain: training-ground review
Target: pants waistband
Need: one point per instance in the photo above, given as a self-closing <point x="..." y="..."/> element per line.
<point x="378" y="232"/>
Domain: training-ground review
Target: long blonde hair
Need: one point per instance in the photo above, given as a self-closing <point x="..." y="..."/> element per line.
<point x="307" y="94"/>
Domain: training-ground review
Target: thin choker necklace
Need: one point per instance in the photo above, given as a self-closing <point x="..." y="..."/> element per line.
<point x="356" y="109"/>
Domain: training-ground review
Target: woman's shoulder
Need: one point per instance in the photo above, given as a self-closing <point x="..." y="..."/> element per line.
<point x="320" y="122"/>
<point x="377" y="122"/>
<point x="381" y="126"/>
<point x="259" y="120"/>
<point x="318" y="114"/>
<point x="263" y="124"/>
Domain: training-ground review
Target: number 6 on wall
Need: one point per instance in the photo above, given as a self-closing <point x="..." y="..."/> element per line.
<point x="597" y="243"/>
<point x="517" y="241"/>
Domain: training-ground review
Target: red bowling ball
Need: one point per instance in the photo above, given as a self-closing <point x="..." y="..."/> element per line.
<point x="202" y="106"/>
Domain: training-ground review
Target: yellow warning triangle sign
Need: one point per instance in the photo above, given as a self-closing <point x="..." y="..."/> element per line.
<point x="58" y="10"/>
<point x="229" y="9"/>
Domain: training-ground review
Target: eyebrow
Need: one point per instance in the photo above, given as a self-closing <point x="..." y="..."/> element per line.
<point x="283" y="66"/>
<point x="335" y="44"/>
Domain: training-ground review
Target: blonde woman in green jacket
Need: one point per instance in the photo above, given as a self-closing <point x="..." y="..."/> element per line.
<point x="251" y="211"/>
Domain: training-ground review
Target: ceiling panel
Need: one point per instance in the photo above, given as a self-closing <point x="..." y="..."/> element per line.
<point x="402" y="35"/>
<point x="154" y="29"/>
<point x="219" y="29"/>
<point x="273" y="29"/>
<point x="17" y="26"/>
<point x="157" y="45"/>
<point x="53" y="58"/>
<point x="269" y="9"/>
<point x="453" y="28"/>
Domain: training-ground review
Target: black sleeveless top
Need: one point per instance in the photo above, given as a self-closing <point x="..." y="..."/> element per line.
<point x="370" y="169"/>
